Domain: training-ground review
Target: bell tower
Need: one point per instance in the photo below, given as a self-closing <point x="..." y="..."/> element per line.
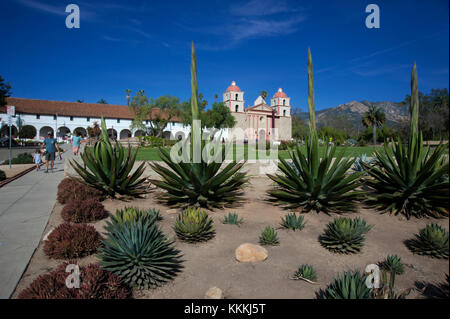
<point x="233" y="98"/>
<point x="281" y="103"/>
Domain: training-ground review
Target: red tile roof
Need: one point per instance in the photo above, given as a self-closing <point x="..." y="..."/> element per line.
<point x="45" y="107"/>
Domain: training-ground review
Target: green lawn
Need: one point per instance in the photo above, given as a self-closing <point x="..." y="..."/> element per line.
<point x="151" y="154"/>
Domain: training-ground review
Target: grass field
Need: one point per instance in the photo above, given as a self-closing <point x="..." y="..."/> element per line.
<point x="151" y="154"/>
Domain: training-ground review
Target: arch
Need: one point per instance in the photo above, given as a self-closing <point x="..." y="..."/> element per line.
<point x="284" y="112"/>
<point x="28" y="131"/>
<point x="80" y="130"/>
<point x="5" y="131"/>
<point x="284" y="102"/>
<point x="139" y="133"/>
<point x="44" y="131"/>
<point x="63" y="131"/>
<point x="237" y="96"/>
<point x="112" y="133"/>
<point x="167" y="135"/>
<point x="125" y="133"/>
<point x="262" y="135"/>
<point x="237" y="108"/>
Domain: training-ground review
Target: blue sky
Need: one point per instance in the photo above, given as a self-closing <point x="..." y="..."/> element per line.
<point x="260" y="44"/>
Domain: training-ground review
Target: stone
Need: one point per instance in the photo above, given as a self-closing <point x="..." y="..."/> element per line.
<point x="48" y="234"/>
<point x="171" y="211"/>
<point x="250" y="253"/>
<point x="214" y="293"/>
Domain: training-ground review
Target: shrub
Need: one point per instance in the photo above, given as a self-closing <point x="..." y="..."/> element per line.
<point x="305" y="272"/>
<point x="194" y="225"/>
<point x="344" y="235"/>
<point x="72" y="241"/>
<point x="138" y="252"/>
<point x="2" y="175"/>
<point x="269" y="237"/>
<point x="23" y="158"/>
<point x="85" y="211"/>
<point x="347" y="286"/>
<point x="108" y="168"/>
<point x="71" y="190"/>
<point x="95" y="283"/>
<point x="431" y="241"/>
<point x="233" y="219"/>
<point x="133" y="213"/>
<point x="293" y="222"/>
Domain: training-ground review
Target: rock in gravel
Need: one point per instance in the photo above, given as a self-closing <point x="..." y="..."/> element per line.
<point x="214" y="293"/>
<point x="48" y="234"/>
<point x="250" y="253"/>
<point x="172" y="211"/>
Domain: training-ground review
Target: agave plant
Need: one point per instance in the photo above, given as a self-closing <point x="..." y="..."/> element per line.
<point x="232" y="218"/>
<point x="344" y="235"/>
<point x="410" y="180"/>
<point x="269" y="237"/>
<point x="133" y="213"/>
<point x="199" y="182"/>
<point x="108" y="168"/>
<point x="305" y="272"/>
<point x="314" y="183"/>
<point x="358" y="165"/>
<point x="140" y="253"/>
<point x="393" y="263"/>
<point x="194" y="225"/>
<point x="431" y="241"/>
<point x="291" y="221"/>
<point x="347" y="286"/>
<point x="386" y="290"/>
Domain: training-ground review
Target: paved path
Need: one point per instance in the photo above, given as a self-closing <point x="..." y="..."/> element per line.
<point x="25" y="206"/>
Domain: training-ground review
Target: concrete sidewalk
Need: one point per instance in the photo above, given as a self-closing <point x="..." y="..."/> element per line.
<point x="25" y="206"/>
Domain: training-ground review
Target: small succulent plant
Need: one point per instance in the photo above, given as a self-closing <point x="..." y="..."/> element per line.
<point x="393" y="263"/>
<point x="306" y="272"/>
<point x="233" y="219"/>
<point x="194" y="225"/>
<point x="431" y="241"/>
<point x="269" y="237"/>
<point x="291" y="221"/>
<point x="345" y="235"/>
<point x="129" y="214"/>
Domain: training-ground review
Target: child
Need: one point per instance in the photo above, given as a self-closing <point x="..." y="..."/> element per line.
<point x="37" y="159"/>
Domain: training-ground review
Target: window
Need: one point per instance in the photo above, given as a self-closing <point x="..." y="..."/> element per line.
<point x="118" y="120"/>
<point x="54" y="117"/>
<point x="38" y="116"/>
<point x="237" y="96"/>
<point x="284" y="102"/>
<point x="284" y="113"/>
<point x="71" y="118"/>
<point x="88" y="119"/>
<point x="237" y="108"/>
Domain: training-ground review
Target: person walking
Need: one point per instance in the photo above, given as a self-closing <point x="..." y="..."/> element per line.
<point x="37" y="158"/>
<point x="76" y="143"/>
<point x="50" y="147"/>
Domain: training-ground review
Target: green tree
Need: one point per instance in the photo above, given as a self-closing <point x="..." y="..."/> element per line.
<point x="80" y="101"/>
<point x="219" y="117"/>
<point x="186" y="110"/>
<point x="299" y="128"/>
<point x="374" y="118"/>
<point x="263" y="94"/>
<point x="102" y="101"/>
<point x="5" y="91"/>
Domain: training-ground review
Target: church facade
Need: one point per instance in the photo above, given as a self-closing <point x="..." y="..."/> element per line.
<point x="260" y="121"/>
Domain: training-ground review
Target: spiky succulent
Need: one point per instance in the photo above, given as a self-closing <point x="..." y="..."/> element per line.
<point x="108" y="168"/>
<point x="139" y="253"/>
<point x="194" y="225"/>
<point x="358" y="165"/>
<point x="306" y="272"/>
<point x="201" y="181"/>
<point x="291" y="221"/>
<point x="269" y="237"/>
<point x="133" y="213"/>
<point x="347" y="286"/>
<point x="314" y="182"/>
<point x="232" y="218"/>
<point x="411" y="180"/>
<point x="393" y="263"/>
<point x="345" y="235"/>
<point x="431" y="241"/>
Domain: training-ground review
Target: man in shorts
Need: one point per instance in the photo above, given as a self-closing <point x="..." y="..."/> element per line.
<point x="76" y="143"/>
<point x="51" y="147"/>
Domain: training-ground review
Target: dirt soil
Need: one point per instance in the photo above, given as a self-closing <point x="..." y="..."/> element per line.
<point x="213" y="263"/>
<point x="15" y="169"/>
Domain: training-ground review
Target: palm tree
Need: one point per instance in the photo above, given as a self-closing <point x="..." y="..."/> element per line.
<point x="374" y="117"/>
<point x="263" y="94"/>
<point x="102" y="101"/>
